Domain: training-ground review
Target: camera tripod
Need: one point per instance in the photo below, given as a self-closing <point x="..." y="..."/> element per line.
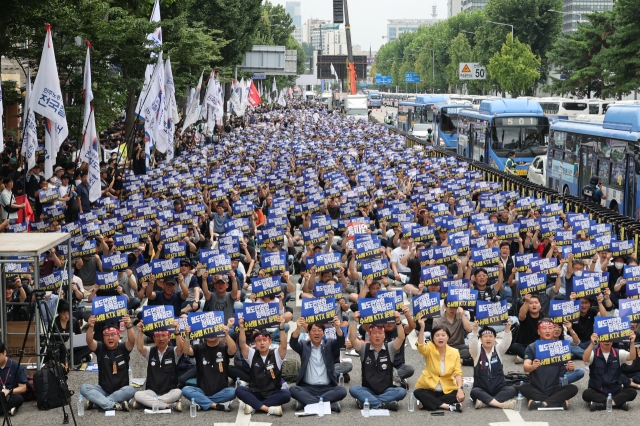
<point x="50" y="342"/>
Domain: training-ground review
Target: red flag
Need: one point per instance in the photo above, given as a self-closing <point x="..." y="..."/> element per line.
<point x="254" y="96"/>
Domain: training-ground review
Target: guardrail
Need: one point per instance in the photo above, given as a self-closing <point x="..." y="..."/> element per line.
<point x="624" y="227"/>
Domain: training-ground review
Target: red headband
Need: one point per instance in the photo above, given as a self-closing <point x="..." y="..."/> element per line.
<point x="545" y="324"/>
<point x="108" y="329"/>
<point x="162" y="332"/>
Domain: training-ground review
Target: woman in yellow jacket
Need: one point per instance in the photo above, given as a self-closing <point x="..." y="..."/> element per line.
<point x="440" y="385"/>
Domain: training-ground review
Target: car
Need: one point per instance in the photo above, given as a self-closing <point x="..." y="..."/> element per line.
<point x="420" y="130"/>
<point x="537" y="172"/>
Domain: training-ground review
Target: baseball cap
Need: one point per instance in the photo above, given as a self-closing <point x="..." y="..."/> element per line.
<point x="222" y="278"/>
<point x="170" y="280"/>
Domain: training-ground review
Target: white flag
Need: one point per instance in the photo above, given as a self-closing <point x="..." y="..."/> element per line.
<point x="30" y="138"/>
<point x="274" y="88"/>
<point x="154" y="111"/>
<point x="93" y="158"/>
<point x="281" y="100"/>
<point x="87" y="92"/>
<point x="219" y="107"/>
<point x="171" y="107"/>
<point x="156" y="40"/>
<point x="50" y="141"/>
<point x="193" y="109"/>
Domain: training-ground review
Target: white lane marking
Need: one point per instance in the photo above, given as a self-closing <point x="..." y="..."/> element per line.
<point x="513" y="416"/>
<point x="515" y="419"/>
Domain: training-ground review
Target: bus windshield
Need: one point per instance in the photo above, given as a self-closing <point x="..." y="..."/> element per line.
<point x="374" y="96"/>
<point x="449" y="123"/>
<point x="526" y="141"/>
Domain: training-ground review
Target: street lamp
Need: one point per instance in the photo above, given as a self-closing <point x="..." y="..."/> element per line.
<point x="506" y="25"/>
<point x="468" y="32"/>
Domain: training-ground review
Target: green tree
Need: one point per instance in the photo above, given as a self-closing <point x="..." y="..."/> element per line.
<point x="515" y="67"/>
<point x="459" y="51"/>
<point x="574" y="55"/>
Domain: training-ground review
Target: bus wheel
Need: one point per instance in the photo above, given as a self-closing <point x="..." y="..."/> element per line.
<point x="565" y="191"/>
<point x="613" y="205"/>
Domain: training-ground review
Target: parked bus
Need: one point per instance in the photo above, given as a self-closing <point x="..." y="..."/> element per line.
<point x="563" y="109"/>
<point x="417" y="111"/>
<point x="609" y="150"/>
<point x="502" y="125"/>
<point x="446" y="122"/>
<point x="375" y="99"/>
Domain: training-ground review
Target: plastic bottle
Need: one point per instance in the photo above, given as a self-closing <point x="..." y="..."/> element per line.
<point x="412" y="403"/>
<point x="130" y="375"/>
<point x="365" y="408"/>
<point x="238" y="383"/>
<point x="519" y="401"/>
<point x="80" y="406"/>
<point x="609" y="404"/>
<point x="192" y="409"/>
<point x="155" y="407"/>
<point x="564" y="380"/>
<point x="321" y="408"/>
<point x="341" y="380"/>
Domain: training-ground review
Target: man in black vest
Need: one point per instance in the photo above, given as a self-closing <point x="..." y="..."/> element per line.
<point x="112" y="391"/>
<point x="162" y="371"/>
<point x="317" y="375"/>
<point x="544" y="389"/>
<point x="605" y="374"/>
<point x="377" y="358"/>
<point x="264" y="392"/>
<point x="212" y="367"/>
<point x="489" y="385"/>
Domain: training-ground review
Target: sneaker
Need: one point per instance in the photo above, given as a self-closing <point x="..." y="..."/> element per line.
<point x="275" y="411"/>
<point x="299" y="406"/>
<point x="223" y="406"/>
<point x="121" y="406"/>
<point x="359" y="404"/>
<point x="133" y="404"/>
<point x="507" y="405"/>
<point x="596" y="406"/>
<point x="480" y="404"/>
<point x="624" y="406"/>
<point x="391" y="406"/>
<point x="12" y="412"/>
<point x="457" y="407"/>
<point x="88" y="405"/>
<point x="518" y="360"/>
<point x="176" y="406"/>
<point x="534" y="405"/>
<point x="404" y="384"/>
<point x="335" y="407"/>
<point x="248" y="410"/>
<point x="241" y="406"/>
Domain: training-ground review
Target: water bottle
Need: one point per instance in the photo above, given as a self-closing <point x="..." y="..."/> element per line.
<point x="238" y="383"/>
<point x="365" y="407"/>
<point x="341" y="380"/>
<point x="321" y="408"/>
<point x="519" y="401"/>
<point x="193" y="410"/>
<point x="130" y="375"/>
<point x="563" y="380"/>
<point x="154" y="407"/>
<point x="80" y="406"/>
<point x="609" y="404"/>
<point x="412" y="403"/>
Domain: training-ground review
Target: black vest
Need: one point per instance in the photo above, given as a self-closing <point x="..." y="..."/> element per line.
<point x="489" y="379"/>
<point x="265" y="376"/>
<point x="604" y="375"/>
<point x="377" y="374"/>
<point x="162" y="375"/>
<point x="212" y="364"/>
<point x="390" y="336"/>
<point x="119" y="357"/>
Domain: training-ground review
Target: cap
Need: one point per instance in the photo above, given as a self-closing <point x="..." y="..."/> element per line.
<point x="48" y="293"/>
<point x="222" y="278"/>
<point x="170" y="280"/>
<point x="57" y="168"/>
<point x="185" y="261"/>
<point x="594" y="180"/>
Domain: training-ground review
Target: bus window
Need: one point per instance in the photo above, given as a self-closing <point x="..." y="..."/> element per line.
<point x="448" y="124"/>
<point x="558" y="139"/>
<point x="574" y="106"/>
<point x="505" y="138"/>
<point x="618" y="149"/>
<point x="550" y="107"/>
<point x="594" y="108"/>
<point x="603" y="171"/>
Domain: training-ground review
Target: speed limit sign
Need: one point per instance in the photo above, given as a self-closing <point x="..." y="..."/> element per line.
<point x="472" y="71"/>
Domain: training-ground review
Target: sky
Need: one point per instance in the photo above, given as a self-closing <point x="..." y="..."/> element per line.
<point x="368" y="18"/>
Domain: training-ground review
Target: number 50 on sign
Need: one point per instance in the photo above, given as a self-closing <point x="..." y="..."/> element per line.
<point x="471" y="71"/>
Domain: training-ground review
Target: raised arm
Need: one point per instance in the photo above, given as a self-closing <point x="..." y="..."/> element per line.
<point x="353" y="335"/>
<point x="91" y="343"/>
<point x="140" y="342"/>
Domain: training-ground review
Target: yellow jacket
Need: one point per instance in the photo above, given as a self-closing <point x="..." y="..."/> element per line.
<point x="431" y="374"/>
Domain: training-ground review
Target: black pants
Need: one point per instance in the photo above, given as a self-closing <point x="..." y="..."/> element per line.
<point x="13" y="401"/>
<point x="517" y="349"/>
<point x="432" y="400"/>
<point x="504" y="394"/>
<point x="556" y="398"/>
<point x="235" y="372"/>
<point x="624" y="395"/>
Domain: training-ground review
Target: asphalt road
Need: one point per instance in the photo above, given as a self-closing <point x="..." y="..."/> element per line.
<point x="350" y="415"/>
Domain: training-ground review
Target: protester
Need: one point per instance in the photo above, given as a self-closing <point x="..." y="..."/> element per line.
<point x="14" y="381"/>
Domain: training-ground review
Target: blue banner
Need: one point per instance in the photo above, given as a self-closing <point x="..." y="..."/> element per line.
<point x="366" y="247"/>
<point x="115" y="262"/>
<point x="545" y="265"/>
<point x="521" y="261"/>
<point x="373" y="269"/>
<point x="492" y="313"/>
<point x="485" y="257"/>
<point x="532" y="283"/>
<point x="630" y="308"/>
<point x="426" y="305"/>
<point x="273" y="261"/>
<point x="143" y="272"/>
<point x="206" y="324"/>
<point x="377" y="311"/>
<point x="461" y="297"/>
<point x="109" y="308"/>
<point x="107" y="280"/>
<point x="583" y="249"/>
<point x="553" y="351"/>
<point x="398" y="295"/>
<point x="564" y="310"/>
<point x="53" y="281"/>
<point x="460" y="283"/>
<point x="327" y="290"/>
<point x="586" y="286"/>
<point x="622" y="248"/>
<point x="260" y="315"/>
<point x="165" y="268"/>
<point x="219" y="264"/>
<point x="157" y="318"/>
<point x="612" y="329"/>
<point x="433" y="275"/>
<point x="266" y="287"/>
<point x="319" y="310"/>
<point x="314" y="235"/>
<point x="126" y="242"/>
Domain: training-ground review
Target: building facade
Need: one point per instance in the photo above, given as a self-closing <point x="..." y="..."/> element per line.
<point x="468" y="5"/>
<point x="453" y="7"/>
<point x="395" y="27"/>
<point x="293" y="8"/>
<point x="575" y="11"/>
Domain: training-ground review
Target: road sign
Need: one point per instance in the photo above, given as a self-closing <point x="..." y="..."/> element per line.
<point x="259" y="76"/>
<point x="369" y="80"/>
<point x="472" y="71"/>
<point x="411" y="77"/>
<point x="384" y="79"/>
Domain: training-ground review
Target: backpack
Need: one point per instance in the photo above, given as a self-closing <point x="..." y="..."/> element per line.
<point x="588" y="191"/>
<point x="47" y="385"/>
<point x="290" y="369"/>
<point x="7" y="208"/>
<point x="513" y="378"/>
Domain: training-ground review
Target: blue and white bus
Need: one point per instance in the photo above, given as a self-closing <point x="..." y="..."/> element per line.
<point x="446" y="122"/>
<point x="375" y="99"/>
<point x="421" y="108"/>
<point x="609" y="150"/>
<point x="502" y="125"/>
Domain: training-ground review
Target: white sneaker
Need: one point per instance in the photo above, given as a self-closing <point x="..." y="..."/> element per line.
<point x="275" y="411"/>
<point x="518" y="360"/>
<point x="248" y="410"/>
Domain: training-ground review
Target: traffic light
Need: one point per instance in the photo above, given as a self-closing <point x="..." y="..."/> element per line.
<point x="338" y="11"/>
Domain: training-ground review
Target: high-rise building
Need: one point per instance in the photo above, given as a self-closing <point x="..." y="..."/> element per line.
<point x="311" y="31"/>
<point x="473" y="4"/>
<point x="453" y="7"/>
<point x="575" y="11"/>
<point x="395" y="27"/>
<point x="293" y="9"/>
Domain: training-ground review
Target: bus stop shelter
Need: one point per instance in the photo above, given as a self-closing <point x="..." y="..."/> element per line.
<point x="27" y="248"/>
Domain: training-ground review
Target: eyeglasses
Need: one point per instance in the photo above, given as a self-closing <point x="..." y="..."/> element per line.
<point x="110" y="335"/>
